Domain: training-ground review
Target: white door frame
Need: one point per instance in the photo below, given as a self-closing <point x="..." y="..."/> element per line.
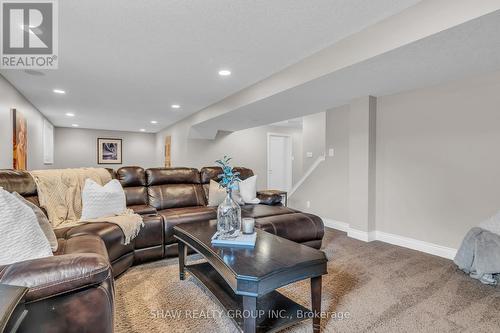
<point x="289" y="161"/>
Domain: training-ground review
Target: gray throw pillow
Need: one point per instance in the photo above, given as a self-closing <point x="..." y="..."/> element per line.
<point x="43" y="221"/>
<point x="216" y="194"/>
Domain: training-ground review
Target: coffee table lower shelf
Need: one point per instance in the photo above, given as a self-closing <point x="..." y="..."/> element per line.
<point x="278" y="310"/>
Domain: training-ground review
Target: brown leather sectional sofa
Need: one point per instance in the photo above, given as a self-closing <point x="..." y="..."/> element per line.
<point x="73" y="290"/>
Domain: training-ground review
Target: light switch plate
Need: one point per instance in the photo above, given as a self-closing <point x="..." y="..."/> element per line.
<point x="331" y="152"/>
<point x="309" y="154"/>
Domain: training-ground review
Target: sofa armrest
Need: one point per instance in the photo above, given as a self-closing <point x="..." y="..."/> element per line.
<point x="143" y="209"/>
<point x="269" y="197"/>
<point x="52" y="276"/>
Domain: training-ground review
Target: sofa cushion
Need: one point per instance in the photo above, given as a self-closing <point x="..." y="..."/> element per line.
<point x="174" y="188"/>
<point x="131" y="176"/>
<point x="136" y="195"/>
<point x="213" y="172"/>
<point x="175" y="216"/>
<point x="245" y="173"/>
<point x="18" y="181"/>
<point x="298" y="227"/>
<point x="210" y="173"/>
<point x="257" y="211"/>
<point x="133" y="180"/>
<point x="269" y="197"/>
<point x="143" y="209"/>
<point x="83" y="244"/>
<point x="176" y="195"/>
<point x="161" y="176"/>
<point x="21" y="182"/>
<point x="52" y="276"/>
<point x="110" y="233"/>
<point x="151" y="233"/>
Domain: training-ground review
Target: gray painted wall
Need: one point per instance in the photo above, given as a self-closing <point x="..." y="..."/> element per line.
<point x="247" y="148"/>
<point x="314" y="128"/>
<point x="437" y="162"/>
<point x="11" y="98"/>
<point x="362" y="159"/>
<point x="75" y="147"/>
<point x="328" y="186"/>
<point x="438" y="158"/>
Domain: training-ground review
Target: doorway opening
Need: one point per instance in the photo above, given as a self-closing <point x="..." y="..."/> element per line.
<point x="279" y="161"/>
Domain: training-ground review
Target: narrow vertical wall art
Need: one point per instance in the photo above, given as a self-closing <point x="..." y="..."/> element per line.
<point x="19" y="141"/>
<point x="168" y="147"/>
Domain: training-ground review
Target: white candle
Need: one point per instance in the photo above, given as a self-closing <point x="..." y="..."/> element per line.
<point x="247" y="224"/>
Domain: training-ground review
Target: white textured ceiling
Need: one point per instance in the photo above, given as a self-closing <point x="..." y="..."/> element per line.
<point x="124" y="62"/>
<point x="468" y="49"/>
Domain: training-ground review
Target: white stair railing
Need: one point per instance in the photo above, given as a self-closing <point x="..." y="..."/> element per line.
<point x="306" y="175"/>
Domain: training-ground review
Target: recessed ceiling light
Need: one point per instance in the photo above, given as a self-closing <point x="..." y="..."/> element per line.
<point x="69" y="114"/>
<point x="59" y="91"/>
<point x="175" y="106"/>
<point x="154" y="122"/>
<point x="224" y="72"/>
<point x="142" y="130"/>
<point x="75" y="125"/>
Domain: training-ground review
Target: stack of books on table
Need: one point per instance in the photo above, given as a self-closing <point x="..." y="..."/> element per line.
<point x="243" y="240"/>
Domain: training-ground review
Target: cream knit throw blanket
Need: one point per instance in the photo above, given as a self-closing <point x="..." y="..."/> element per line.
<point x="60" y="194"/>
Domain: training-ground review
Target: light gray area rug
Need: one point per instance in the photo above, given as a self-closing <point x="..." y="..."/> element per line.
<point x="375" y="286"/>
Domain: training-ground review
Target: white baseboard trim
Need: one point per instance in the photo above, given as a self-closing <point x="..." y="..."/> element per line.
<point x="342" y="226"/>
<point x="361" y="235"/>
<point x="415" y="244"/>
<point x="410" y="243"/>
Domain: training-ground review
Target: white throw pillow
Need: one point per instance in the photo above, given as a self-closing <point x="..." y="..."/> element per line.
<point x="102" y="201"/>
<point x="248" y="190"/>
<point x="21" y="237"/>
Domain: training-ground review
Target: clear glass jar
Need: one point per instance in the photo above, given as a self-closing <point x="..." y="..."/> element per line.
<point x="228" y="218"/>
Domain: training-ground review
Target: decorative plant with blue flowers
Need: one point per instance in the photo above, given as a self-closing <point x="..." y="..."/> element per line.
<point x="228" y="178"/>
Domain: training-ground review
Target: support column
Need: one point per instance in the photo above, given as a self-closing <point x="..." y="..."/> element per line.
<point x="362" y="125"/>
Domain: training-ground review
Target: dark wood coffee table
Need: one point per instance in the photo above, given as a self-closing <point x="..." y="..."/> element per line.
<point x="246" y="279"/>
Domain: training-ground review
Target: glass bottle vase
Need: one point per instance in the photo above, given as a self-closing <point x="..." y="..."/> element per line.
<point x="228" y="218"/>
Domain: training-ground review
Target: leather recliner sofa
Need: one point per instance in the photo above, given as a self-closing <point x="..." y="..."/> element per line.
<point x="73" y="290"/>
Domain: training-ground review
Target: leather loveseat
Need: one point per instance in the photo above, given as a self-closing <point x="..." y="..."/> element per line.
<point x="73" y="290"/>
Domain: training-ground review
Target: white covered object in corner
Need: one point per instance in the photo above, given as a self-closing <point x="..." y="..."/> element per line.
<point x="492" y="224"/>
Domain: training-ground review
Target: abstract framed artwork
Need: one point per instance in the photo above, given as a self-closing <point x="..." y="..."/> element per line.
<point x="109" y="151"/>
<point x="19" y="141"/>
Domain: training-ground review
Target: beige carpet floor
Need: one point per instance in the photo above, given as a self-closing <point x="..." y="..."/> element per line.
<point x="377" y="287"/>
